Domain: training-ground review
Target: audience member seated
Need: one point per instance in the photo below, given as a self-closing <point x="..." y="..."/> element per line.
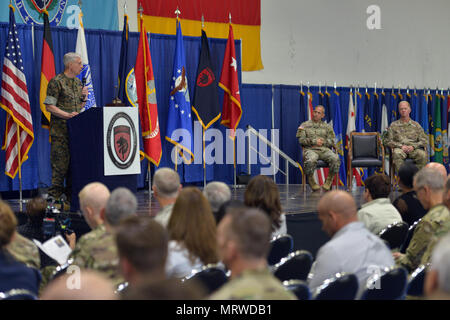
<point x="80" y="285"/>
<point x="217" y="194"/>
<point x="352" y="248"/>
<point x="142" y="247"/>
<point x="407" y="203"/>
<point x="437" y="279"/>
<point x="429" y="188"/>
<point x="163" y="289"/>
<point x="166" y="187"/>
<point x="378" y="212"/>
<point x="243" y="238"/>
<point x="439" y="167"/>
<point x="97" y="249"/>
<point x="192" y="233"/>
<point x="441" y="231"/>
<point x="13" y="274"/>
<point x="32" y="229"/>
<point x="262" y="193"/>
<point x="224" y="208"/>
<point x="24" y="250"/>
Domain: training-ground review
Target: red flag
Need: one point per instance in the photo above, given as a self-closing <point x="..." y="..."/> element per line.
<point x="47" y="70"/>
<point x="231" y="109"/>
<point x="14" y="100"/>
<point x="146" y="94"/>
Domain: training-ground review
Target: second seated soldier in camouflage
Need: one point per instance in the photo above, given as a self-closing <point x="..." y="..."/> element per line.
<point x="429" y="187"/>
<point x="407" y="139"/>
<point x="65" y="99"/>
<point x="317" y="138"/>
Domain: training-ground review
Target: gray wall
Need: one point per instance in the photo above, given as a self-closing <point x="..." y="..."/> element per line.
<point x="328" y="41"/>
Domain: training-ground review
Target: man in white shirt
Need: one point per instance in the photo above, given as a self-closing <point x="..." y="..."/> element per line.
<point x="378" y="212"/>
<point x="352" y="248"/>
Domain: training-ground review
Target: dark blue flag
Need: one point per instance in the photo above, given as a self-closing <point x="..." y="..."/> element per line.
<point x="368" y="120"/>
<point x="206" y="104"/>
<point x="127" y="85"/>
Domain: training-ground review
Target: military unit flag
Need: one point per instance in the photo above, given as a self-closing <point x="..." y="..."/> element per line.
<point x="146" y="95"/>
<point x="206" y="104"/>
<point x="229" y="82"/>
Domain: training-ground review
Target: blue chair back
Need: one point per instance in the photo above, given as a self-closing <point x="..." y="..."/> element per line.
<point x="18" y="294"/>
<point x="389" y="286"/>
<point x="299" y="288"/>
<point x="416" y="282"/>
<point x="211" y="277"/>
<point x="342" y="287"/>
<point x="280" y="247"/>
<point x="295" y="266"/>
<point x="409" y="236"/>
<point x="395" y="234"/>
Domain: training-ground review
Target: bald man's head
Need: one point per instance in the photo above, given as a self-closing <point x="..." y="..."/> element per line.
<point x="81" y="285"/>
<point x="438" y="167"/>
<point x="340" y="202"/>
<point x="336" y="209"/>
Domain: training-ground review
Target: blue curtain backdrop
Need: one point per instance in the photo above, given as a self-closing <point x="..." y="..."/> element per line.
<point x="104" y="49"/>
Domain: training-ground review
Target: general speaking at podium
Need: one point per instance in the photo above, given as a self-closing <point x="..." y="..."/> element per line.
<point x="66" y="96"/>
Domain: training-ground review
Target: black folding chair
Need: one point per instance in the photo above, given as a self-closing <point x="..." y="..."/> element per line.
<point x="299" y="288"/>
<point x="409" y="236"/>
<point x="343" y="286"/>
<point x="416" y="282"/>
<point x="18" y="294"/>
<point x="212" y="277"/>
<point x="280" y="247"/>
<point x="295" y="266"/>
<point x="395" y="234"/>
<point x="390" y="284"/>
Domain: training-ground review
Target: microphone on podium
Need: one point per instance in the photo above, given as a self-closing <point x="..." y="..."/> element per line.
<point x="83" y="82"/>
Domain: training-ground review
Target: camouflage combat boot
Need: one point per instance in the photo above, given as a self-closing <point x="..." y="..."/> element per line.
<point x="327" y="185"/>
<point x="312" y="183"/>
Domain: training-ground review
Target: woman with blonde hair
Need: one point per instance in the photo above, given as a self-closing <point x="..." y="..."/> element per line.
<point x="262" y="193"/>
<point x="13" y="274"/>
<point x="192" y="232"/>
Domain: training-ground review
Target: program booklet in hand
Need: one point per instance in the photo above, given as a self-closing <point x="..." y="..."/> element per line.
<point x="56" y="248"/>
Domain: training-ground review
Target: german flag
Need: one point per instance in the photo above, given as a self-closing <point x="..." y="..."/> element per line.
<point x="47" y="70"/>
<point x="159" y="17"/>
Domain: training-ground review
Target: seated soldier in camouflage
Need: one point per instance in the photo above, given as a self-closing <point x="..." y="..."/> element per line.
<point x="243" y="240"/>
<point x="97" y="250"/>
<point x="442" y="230"/>
<point x="429" y="187"/>
<point x="317" y="138"/>
<point x="407" y="139"/>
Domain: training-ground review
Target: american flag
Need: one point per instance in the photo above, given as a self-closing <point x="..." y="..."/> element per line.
<point x="14" y="100"/>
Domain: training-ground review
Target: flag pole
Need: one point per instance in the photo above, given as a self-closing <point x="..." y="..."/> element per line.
<point x="204" y="156"/>
<point x="149" y="180"/>
<point x="204" y="133"/>
<point x="20" y="166"/>
<point x="234" y="160"/>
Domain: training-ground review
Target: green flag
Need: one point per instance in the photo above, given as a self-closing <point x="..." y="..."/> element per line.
<point x="438" y="154"/>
